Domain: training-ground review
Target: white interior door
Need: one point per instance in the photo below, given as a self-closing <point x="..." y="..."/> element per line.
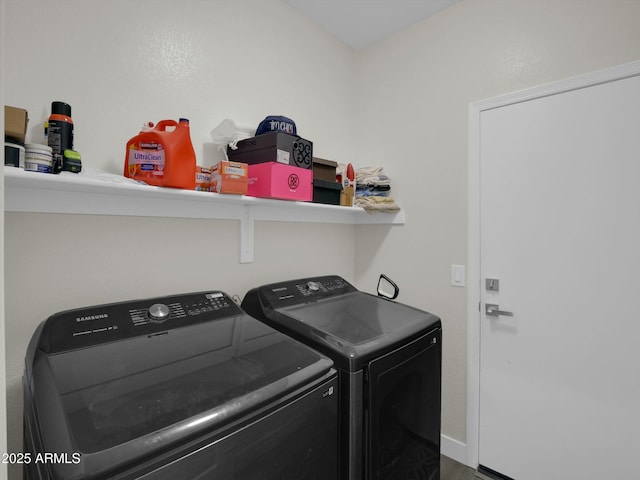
<point x="560" y="230"/>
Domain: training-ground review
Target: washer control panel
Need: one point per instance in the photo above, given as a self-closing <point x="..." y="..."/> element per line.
<point x="117" y="321"/>
<point x="305" y="290"/>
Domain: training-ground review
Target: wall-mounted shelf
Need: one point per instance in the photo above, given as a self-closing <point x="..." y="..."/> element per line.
<point x="113" y="195"/>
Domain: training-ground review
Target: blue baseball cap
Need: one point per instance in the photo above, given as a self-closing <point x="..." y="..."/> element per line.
<point x="276" y="123"/>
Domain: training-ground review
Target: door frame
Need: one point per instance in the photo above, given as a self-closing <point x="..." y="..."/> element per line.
<point x="474" y="292"/>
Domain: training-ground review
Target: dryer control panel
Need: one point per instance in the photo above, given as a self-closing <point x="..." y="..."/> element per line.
<point x="305" y="290"/>
<point x="80" y="328"/>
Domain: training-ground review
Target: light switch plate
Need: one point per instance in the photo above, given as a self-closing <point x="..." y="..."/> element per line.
<point x="458" y="276"/>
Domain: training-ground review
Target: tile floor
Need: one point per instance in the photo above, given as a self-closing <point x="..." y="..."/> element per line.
<point x="452" y="470"/>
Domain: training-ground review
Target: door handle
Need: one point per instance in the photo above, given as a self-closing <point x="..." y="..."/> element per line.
<point x="494" y="310"/>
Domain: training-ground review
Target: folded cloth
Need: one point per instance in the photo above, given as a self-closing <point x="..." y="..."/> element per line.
<point x="371" y="176"/>
<point x="369" y="171"/>
<point x="373" y="180"/>
<point x="372" y="192"/>
<point x="372" y="188"/>
<point x="377" y="204"/>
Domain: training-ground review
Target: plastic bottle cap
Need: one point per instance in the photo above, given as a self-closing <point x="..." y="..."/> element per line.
<point x="61" y="108"/>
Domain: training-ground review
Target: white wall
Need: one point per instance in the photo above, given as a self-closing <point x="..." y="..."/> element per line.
<point x="119" y="63"/>
<point x="413" y="92"/>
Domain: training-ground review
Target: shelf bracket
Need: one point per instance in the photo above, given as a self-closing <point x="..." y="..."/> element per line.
<point x="246" y="235"/>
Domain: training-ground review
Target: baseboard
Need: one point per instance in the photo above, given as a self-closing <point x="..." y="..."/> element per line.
<point x="454" y="449"/>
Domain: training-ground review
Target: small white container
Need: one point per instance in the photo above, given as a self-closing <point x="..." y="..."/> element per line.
<point x="38" y="158"/>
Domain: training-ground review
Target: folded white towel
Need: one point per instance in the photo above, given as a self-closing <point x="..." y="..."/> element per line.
<point x="375" y="180"/>
<point x="369" y="171"/>
<point x="371" y="176"/>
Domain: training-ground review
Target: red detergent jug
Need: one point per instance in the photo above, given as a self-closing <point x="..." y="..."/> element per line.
<point x="163" y="156"/>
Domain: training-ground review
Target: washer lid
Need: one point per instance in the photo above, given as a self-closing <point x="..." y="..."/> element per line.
<point x="357" y="325"/>
<point x="332" y="316"/>
<point x="120" y="400"/>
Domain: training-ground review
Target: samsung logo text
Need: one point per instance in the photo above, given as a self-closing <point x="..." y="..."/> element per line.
<point x="88" y="318"/>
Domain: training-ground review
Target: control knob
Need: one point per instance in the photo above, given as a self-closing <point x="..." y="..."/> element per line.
<point x="158" y="312"/>
<point x="313" y="286"/>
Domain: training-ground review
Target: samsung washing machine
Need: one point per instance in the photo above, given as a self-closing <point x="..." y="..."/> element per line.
<point x="389" y="359"/>
<point x="180" y="387"/>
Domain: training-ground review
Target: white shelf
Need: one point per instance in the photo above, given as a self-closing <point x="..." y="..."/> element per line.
<point x="96" y="195"/>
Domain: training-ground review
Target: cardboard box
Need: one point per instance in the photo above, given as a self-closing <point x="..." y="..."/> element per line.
<point x="276" y="180"/>
<point x="347" y="197"/>
<point x="230" y="177"/>
<point x="203" y="179"/>
<point x="15" y="123"/>
<point x="274" y="147"/>
<point x="324" y="169"/>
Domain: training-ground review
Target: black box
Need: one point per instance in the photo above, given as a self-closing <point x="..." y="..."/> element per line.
<point x="325" y="191"/>
<point x="274" y="147"/>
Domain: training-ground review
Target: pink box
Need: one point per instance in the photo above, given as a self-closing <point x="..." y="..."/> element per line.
<point x="277" y="180"/>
